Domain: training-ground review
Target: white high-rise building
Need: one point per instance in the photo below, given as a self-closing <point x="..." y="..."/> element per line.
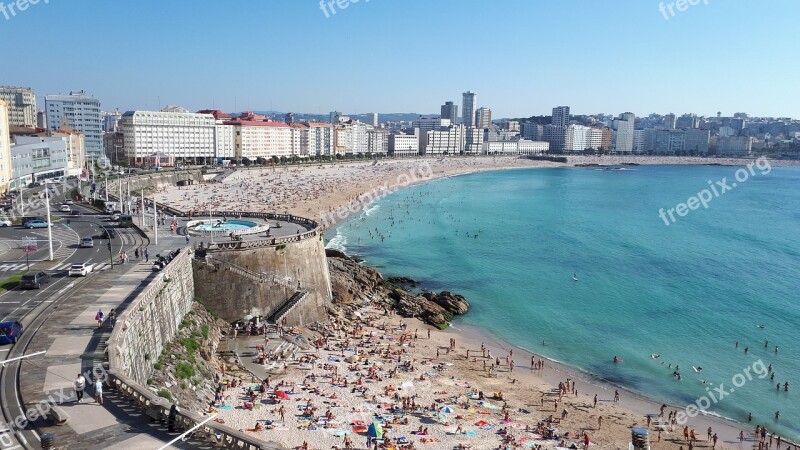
<point x="473" y="140"/>
<point x="520" y="147"/>
<point x="577" y="139"/>
<point x="373" y="119"/>
<point x="352" y="137"/>
<point x="560" y="116"/>
<point x="424" y="124"/>
<point x="404" y="145"/>
<point x="80" y="112"/>
<point x="320" y="139"/>
<point x="447" y="141"/>
<point x="639" y="141"/>
<point x="176" y="134"/>
<point x="21" y="104"/>
<point x="378" y="141"/>
<point x="483" y="118"/>
<point x="623" y="142"/>
<point x="470" y="99"/>
<point x="258" y="137"/>
<point x="5" y="149"/>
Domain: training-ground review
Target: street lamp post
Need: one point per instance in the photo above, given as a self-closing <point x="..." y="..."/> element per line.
<point x="49" y="225"/>
<point x="119" y="183"/>
<point x="21" y="198"/>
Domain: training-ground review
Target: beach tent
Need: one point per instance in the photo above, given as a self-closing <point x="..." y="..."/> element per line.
<point x="446" y="410"/>
<point x="375" y="430"/>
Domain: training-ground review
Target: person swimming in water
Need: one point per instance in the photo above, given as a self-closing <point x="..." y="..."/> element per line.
<point x="616" y="360"/>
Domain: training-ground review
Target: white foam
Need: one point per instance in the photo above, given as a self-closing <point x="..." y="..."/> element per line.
<point x="338" y="242"/>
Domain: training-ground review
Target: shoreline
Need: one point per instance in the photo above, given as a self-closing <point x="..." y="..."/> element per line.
<point x="632" y="401"/>
<point x="637" y="401"/>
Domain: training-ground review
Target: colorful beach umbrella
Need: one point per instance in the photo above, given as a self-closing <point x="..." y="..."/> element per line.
<point x="282" y="394"/>
<point x="445" y="409"/>
<point x="375" y="430"/>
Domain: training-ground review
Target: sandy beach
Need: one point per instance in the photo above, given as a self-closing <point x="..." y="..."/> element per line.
<point x="330" y="193"/>
<point x="371" y="368"/>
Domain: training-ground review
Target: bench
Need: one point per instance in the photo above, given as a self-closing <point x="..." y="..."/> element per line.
<point x="58" y="415"/>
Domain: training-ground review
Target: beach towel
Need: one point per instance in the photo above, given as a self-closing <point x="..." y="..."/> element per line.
<point x="481" y="423"/>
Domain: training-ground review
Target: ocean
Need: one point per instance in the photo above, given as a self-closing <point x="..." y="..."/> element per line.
<point x="688" y="292"/>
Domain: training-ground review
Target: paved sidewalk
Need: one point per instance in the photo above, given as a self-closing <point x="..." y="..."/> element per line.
<point x="74" y="344"/>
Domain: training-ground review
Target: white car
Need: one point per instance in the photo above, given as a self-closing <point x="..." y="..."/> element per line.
<point x="5" y="222"/>
<point x="69" y="202"/>
<point x="65" y="208"/>
<point x="80" y="270"/>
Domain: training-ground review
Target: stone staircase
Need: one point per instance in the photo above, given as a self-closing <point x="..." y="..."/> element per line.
<point x="258" y="277"/>
<point x="287" y="307"/>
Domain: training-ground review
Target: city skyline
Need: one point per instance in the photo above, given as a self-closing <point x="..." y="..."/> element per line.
<point x="670" y="63"/>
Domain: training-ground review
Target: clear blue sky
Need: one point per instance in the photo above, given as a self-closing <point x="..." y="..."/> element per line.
<point x="522" y="57"/>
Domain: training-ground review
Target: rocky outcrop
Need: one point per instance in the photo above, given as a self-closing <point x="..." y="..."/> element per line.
<point x="186" y="370"/>
<point x="353" y="284"/>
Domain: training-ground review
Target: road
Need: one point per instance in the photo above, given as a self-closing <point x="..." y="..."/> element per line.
<point x="15" y="303"/>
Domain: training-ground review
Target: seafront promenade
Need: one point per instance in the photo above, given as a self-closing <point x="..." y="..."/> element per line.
<point x="74" y="344"/>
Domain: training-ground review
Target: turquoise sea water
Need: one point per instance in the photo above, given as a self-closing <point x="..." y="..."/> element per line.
<point x="687" y="291"/>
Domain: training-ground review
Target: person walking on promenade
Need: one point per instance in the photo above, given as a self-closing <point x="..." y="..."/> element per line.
<point x="98" y="390"/>
<point x="79" y="385"/>
<point x="146" y="255"/>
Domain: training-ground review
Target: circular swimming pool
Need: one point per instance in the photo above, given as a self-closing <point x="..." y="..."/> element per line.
<point x="223" y="225"/>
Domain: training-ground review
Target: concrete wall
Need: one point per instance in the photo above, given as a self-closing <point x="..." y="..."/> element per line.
<point x="233" y="294"/>
<point x="151" y="320"/>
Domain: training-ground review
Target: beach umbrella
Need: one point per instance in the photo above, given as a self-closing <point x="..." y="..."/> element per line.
<point x="445" y="409"/>
<point x="375" y="430"/>
<point x="282" y="394"/>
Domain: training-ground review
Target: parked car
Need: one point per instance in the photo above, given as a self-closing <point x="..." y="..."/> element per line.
<point x="9" y="332"/>
<point x="33" y="280"/>
<point x="86" y="242"/>
<point x="4" y="222"/>
<point x="36" y="224"/>
<point x="65" y="208"/>
<point x="80" y="270"/>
